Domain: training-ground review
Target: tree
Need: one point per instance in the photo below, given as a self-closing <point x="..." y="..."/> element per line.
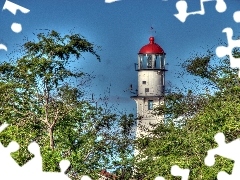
<point x="42" y="103"/>
<point x="192" y="122"/>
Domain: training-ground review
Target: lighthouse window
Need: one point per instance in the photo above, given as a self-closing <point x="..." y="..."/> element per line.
<point x="149" y="61"/>
<point x="141" y="62"/>
<point x="150" y="104"/>
<point x="144" y="82"/>
<point x="162" y="62"/>
<point x="146" y="89"/>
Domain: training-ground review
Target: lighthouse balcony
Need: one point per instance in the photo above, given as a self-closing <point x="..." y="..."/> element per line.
<point x="143" y="97"/>
<point x="138" y="68"/>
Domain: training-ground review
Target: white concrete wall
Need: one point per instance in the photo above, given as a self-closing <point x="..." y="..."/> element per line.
<point x="153" y="80"/>
<point x="146" y="118"/>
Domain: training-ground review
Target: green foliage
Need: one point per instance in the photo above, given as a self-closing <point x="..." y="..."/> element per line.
<point x="41" y="103"/>
<point x="192" y="120"/>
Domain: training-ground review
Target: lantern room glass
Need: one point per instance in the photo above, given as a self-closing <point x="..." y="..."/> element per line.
<point x="151" y="61"/>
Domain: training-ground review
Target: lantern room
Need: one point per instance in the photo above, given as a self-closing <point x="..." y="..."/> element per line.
<point x="151" y="57"/>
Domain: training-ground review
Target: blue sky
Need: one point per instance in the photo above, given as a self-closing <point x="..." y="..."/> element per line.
<point x="121" y="29"/>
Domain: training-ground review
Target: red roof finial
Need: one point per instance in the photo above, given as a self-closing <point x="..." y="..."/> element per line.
<point x="151" y="39"/>
<point x="151" y="48"/>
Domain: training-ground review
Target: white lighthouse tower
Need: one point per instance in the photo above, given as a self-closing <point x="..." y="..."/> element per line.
<point x="151" y="83"/>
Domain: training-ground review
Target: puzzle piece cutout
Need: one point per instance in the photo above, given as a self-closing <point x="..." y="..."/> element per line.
<point x="227" y="150"/>
<point x="236" y="16"/>
<point x="177" y="171"/>
<point x="12" y="7"/>
<point x="27" y="174"/>
<point x="8" y="161"/>
<point x="86" y="178"/>
<point x="2" y="46"/>
<point x="3" y="126"/>
<point x="182" y="7"/>
<point x="5" y="152"/>
<point x="222" y="51"/>
<point x="33" y="165"/>
<point x="16" y="27"/>
<point x="10" y="169"/>
<point x="64" y="165"/>
<point x="111" y="1"/>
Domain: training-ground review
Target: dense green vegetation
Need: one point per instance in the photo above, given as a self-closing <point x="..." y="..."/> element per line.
<point x="42" y="101"/>
<point x="192" y="119"/>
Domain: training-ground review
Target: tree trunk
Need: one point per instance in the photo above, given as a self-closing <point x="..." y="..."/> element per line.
<point x="51" y="138"/>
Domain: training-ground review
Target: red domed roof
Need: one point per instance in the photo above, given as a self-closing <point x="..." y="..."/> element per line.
<point x="151" y="48"/>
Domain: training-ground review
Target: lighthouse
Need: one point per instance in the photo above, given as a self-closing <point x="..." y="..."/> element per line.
<point x="151" y="84"/>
